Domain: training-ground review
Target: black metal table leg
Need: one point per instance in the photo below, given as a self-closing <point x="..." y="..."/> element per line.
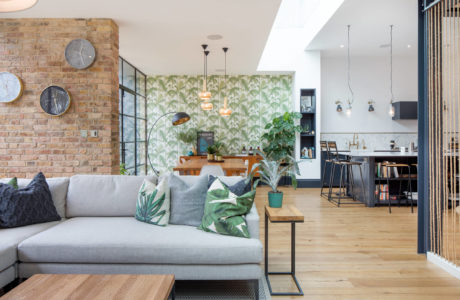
<point x="173" y="292"/>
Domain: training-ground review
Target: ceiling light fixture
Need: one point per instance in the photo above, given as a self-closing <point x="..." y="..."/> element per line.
<point x="214" y="37"/>
<point x="391" y="110"/>
<point x="16" y="5"/>
<point x="204" y="94"/>
<point x="225" y="111"/>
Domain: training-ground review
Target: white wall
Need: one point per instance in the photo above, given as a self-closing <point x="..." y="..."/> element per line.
<point x="370" y="79"/>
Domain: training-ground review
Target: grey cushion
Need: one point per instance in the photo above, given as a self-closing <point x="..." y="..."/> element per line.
<point x="187" y="199"/>
<point x="58" y="188"/>
<point x="125" y="240"/>
<point x="11" y="237"/>
<point x="103" y="195"/>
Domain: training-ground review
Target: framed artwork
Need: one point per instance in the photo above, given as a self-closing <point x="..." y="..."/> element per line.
<point x="11" y="87"/>
<point x="204" y="139"/>
<point x="55" y="100"/>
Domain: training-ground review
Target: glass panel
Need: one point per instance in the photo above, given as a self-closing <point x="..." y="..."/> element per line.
<point x="120" y="95"/>
<point x="128" y="76"/>
<point x="120" y="71"/>
<point x="141" y="170"/>
<point x="128" y="129"/>
<point x="140" y="107"/>
<point x="140" y="84"/>
<point x="141" y="153"/>
<point x="129" y="155"/>
<point x="120" y="128"/>
<point x="140" y="130"/>
<point x="128" y="103"/>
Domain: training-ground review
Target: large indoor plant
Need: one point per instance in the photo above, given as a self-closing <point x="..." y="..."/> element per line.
<point x="270" y="172"/>
<point x="188" y="137"/>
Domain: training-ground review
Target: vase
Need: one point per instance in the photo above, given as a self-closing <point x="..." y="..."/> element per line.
<point x="275" y="199"/>
<point x="194" y="150"/>
<point x="210" y="156"/>
<point x="219" y="158"/>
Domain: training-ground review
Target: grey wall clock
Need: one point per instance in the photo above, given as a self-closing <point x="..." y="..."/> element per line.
<point x="80" y="54"/>
<point x="11" y="87"/>
<point x="55" y="100"/>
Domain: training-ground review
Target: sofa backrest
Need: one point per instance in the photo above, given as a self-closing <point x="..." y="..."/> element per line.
<point x="103" y="195"/>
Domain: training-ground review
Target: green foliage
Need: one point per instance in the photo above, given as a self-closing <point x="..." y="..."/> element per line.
<point x="188" y="137"/>
<point x="271" y="171"/>
<point x="123" y="170"/>
<point x="279" y="141"/>
<point x="148" y="207"/>
<point x="211" y="149"/>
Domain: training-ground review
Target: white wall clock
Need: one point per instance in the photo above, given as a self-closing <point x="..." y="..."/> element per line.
<point x="55" y="100"/>
<point x="80" y="54"/>
<point x="11" y="87"/>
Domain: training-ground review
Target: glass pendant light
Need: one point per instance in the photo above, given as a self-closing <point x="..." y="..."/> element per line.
<point x="16" y="5"/>
<point x="349" y="101"/>
<point x="225" y="111"/>
<point x="391" y="110"/>
<point x="204" y="94"/>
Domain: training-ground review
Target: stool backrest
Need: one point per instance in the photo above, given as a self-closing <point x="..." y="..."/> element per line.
<point x="324" y="148"/>
<point x="333" y="152"/>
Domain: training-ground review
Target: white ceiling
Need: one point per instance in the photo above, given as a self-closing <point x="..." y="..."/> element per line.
<point x="165" y="36"/>
<point x="370" y="21"/>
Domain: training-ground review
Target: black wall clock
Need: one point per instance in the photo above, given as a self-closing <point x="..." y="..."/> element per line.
<point x="80" y="54"/>
<point x="55" y="100"/>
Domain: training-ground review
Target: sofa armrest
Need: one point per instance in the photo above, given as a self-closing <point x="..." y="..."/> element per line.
<point x="252" y="218"/>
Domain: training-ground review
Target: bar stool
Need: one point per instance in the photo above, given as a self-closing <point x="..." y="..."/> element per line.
<point x="399" y="167"/>
<point x="346" y="169"/>
<point x="327" y="161"/>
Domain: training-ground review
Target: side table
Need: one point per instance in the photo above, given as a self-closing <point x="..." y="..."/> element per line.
<point x="285" y="214"/>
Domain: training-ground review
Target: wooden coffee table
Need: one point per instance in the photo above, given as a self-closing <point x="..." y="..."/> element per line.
<point x="84" y="286"/>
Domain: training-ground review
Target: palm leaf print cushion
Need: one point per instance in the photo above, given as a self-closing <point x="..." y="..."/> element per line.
<point x="224" y="212"/>
<point x="153" y="203"/>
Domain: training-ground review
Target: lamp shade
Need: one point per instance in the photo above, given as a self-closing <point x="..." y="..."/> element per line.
<point x="16" y="5"/>
<point x="206" y="105"/>
<point x="180" y="118"/>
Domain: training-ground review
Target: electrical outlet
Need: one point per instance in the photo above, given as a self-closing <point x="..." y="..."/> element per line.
<point x="83" y="133"/>
<point x="93" y="133"/>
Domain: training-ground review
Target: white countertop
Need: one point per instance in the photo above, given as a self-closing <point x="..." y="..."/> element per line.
<point x="379" y="154"/>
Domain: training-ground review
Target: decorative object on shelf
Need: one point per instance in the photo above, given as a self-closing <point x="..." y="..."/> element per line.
<point x="391" y="110"/>
<point x="306" y="128"/>
<point x="204" y="139"/>
<point x="304" y="152"/>
<point x="371" y="105"/>
<point x="306" y="103"/>
<point x="11" y="87"/>
<point x="205" y="95"/>
<point x="271" y="171"/>
<point x="55" y="100"/>
<point x="177" y="119"/>
<point x="243" y="151"/>
<point x="188" y="137"/>
<point x="16" y="5"/>
<point x="251" y="151"/>
<point x="225" y="111"/>
<point x="392" y="144"/>
<point x="339" y="106"/>
<point x="351" y="99"/>
<point x="211" y="150"/>
<point x="80" y="54"/>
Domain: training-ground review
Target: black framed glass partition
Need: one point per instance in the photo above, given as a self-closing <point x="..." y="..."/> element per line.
<point x="132" y="118"/>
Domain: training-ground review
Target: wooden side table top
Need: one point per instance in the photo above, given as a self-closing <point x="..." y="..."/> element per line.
<point x="286" y="213"/>
<point x="85" y="286"/>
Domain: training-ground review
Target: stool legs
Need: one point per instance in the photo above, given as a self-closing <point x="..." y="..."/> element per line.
<point x="323" y="179"/>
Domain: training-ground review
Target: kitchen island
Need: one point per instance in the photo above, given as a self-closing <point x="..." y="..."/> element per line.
<point x="370" y="160"/>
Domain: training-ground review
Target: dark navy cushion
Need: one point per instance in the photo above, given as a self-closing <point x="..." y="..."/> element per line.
<point x="30" y="205"/>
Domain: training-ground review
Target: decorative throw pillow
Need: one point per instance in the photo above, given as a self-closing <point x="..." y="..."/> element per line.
<point x="153" y="203"/>
<point x="239" y="188"/>
<point x="187" y="200"/>
<point x="224" y="212"/>
<point x="13" y="182"/>
<point x="30" y="205"/>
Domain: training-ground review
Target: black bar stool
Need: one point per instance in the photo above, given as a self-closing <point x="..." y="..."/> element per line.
<point x="327" y="165"/>
<point x="346" y="171"/>
<point x="398" y="169"/>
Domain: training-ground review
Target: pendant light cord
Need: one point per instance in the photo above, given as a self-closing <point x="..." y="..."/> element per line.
<point x="348" y="69"/>
<point x="225" y="72"/>
<point x="391" y="63"/>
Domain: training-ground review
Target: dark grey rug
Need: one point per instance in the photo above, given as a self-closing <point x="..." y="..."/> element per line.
<point x="220" y="290"/>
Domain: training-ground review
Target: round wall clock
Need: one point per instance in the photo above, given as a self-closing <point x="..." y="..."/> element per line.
<point x="10" y="87"/>
<point x="55" y="100"/>
<point x="80" y="54"/>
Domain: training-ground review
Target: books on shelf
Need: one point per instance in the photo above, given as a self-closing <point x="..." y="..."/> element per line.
<point x="386" y="172"/>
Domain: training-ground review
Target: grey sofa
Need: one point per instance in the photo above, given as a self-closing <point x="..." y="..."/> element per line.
<point x="100" y="235"/>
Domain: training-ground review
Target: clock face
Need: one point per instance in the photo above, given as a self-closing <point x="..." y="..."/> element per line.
<point x="80" y="54"/>
<point x="55" y="100"/>
<point x="10" y="87"/>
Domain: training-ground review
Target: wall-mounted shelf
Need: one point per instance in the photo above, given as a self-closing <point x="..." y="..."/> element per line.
<point x="308" y="123"/>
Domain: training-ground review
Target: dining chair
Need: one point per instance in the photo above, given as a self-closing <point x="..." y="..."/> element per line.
<point x="212" y="170"/>
<point x="246" y="163"/>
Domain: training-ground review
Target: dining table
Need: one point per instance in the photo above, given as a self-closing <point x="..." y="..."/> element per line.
<point x="231" y="167"/>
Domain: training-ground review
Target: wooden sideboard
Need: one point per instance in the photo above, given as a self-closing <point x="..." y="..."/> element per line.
<point x="251" y="158"/>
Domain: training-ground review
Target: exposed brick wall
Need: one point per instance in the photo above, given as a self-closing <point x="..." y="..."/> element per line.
<point x="30" y="139"/>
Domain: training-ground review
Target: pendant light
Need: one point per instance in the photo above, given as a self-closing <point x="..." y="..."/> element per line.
<point x="16" y="5"/>
<point x="225" y="111"/>
<point x="349" y="101"/>
<point x="204" y="94"/>
<point x="391" y="110"/>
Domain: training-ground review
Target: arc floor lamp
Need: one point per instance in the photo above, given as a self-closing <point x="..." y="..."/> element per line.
<point x="178" y="119"/>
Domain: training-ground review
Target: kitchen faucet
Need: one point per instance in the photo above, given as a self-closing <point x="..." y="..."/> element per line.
<point x="355" y="143"/>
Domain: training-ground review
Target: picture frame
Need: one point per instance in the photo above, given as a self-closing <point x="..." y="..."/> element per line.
<point x="204" y="139"/>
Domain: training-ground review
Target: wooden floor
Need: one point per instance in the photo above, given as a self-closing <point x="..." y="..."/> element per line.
<point x="354" y="252"/>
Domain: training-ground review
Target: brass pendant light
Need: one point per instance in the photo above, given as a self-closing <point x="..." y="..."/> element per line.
<point x="205" y="95"/>
<point x="225" y="111"/>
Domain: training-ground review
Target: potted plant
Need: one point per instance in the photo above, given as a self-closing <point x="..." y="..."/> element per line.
<point x="188" y="137"/>
<point x="270" y="173"/>
<point x="211" y="151"/>
<point x="219" y="148"/>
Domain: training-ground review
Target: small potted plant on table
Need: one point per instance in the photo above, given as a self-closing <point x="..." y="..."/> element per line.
<point x="211" y="151"/>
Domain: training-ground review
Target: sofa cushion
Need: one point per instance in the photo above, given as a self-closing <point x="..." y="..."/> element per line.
<point x="128" y="241"/>
<point x="11" y="237"/>
<point x="238" y="188"/>
<point x="58" y="188"/>
<point x="104" y="195"/>
<point x="153" y="202"/>
<point x="26" y="206"/>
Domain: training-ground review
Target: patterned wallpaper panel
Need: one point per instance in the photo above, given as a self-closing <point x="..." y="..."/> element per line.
<point x="254" y="100"/>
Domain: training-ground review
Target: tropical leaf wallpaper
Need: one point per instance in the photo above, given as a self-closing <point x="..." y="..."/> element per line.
<point x="254" y="99"/>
